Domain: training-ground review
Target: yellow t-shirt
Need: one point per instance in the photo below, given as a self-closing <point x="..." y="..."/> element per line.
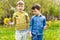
<point x="21" y="20"/>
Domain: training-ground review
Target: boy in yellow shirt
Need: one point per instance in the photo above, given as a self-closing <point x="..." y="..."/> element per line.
<point x="21" y="21"/>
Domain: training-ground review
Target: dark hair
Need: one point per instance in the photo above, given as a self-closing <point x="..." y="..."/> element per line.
<point x="37" y="6"/>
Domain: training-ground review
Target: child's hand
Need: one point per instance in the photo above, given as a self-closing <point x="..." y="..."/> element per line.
<point x="45" y="28"/>
<point x="30" y="34"/>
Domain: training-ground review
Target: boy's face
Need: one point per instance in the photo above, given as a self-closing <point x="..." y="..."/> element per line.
<point x="36" y="12"/>
<point x="20" y="8"/>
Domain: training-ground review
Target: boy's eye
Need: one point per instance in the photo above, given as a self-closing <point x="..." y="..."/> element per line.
<point x="20" y="6"/>
<point x="34" y="11"/>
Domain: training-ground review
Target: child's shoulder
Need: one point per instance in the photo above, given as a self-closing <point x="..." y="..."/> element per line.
<point x="43" y="17"/>
<point x="15" y="13"/>
<point x="26" y="13"/>
<point x="33" y="16"/>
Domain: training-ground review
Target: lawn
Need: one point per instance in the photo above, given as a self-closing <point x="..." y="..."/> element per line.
<point x="8" y="33"/>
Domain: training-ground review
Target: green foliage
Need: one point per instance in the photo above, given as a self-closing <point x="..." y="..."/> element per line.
<point x="52" y="33"/>
<point x="49" y="6"/>
<point x="53" y="24"/>
<point x="7" y="33"/>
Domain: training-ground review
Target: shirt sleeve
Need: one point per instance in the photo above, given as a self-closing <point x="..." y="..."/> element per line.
<point x="14" y="19"/>
<point x="44" y="22"/>
<point x="27" y="20"/>
<point x="31" y="23"/>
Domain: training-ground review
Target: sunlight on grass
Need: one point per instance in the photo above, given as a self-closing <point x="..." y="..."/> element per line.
<point x="8" y="33"/>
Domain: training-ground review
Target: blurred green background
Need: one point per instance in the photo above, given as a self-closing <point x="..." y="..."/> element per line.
<point x="49" y="8"/>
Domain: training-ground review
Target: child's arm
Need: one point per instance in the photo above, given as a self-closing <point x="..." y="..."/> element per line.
<point x="14" y="19"/>
<point x="45" y="27"/>
<point x="44" y="24"/>
<point x="31" y="23"/>
<point x="27" y="20"/>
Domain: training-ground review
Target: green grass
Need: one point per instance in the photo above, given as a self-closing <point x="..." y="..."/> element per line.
<point x="52" y="34"/>
<point x="8" y="33"/>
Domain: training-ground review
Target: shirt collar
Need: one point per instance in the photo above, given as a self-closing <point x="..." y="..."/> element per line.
<point x="39" y="15"/>
<point x="21" y="12"/>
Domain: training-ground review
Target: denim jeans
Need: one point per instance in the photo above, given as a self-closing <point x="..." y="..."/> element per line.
<point x="37" y="37"/>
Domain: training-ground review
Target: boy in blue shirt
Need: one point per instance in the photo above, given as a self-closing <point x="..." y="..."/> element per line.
<point x="37" y="23"/>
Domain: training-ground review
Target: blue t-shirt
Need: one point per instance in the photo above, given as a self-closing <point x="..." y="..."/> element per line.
<point x="37" y="24"/>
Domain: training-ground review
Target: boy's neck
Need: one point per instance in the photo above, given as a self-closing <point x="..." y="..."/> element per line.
<point x="38" y="14"/>
<point x="21" y="11"/>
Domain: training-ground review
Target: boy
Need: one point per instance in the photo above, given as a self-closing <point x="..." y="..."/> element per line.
<point x="21" y="21"/>
<point x="37" y="23"/>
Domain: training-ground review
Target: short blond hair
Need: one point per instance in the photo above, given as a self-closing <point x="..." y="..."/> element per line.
<point x="20" y="3"/>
